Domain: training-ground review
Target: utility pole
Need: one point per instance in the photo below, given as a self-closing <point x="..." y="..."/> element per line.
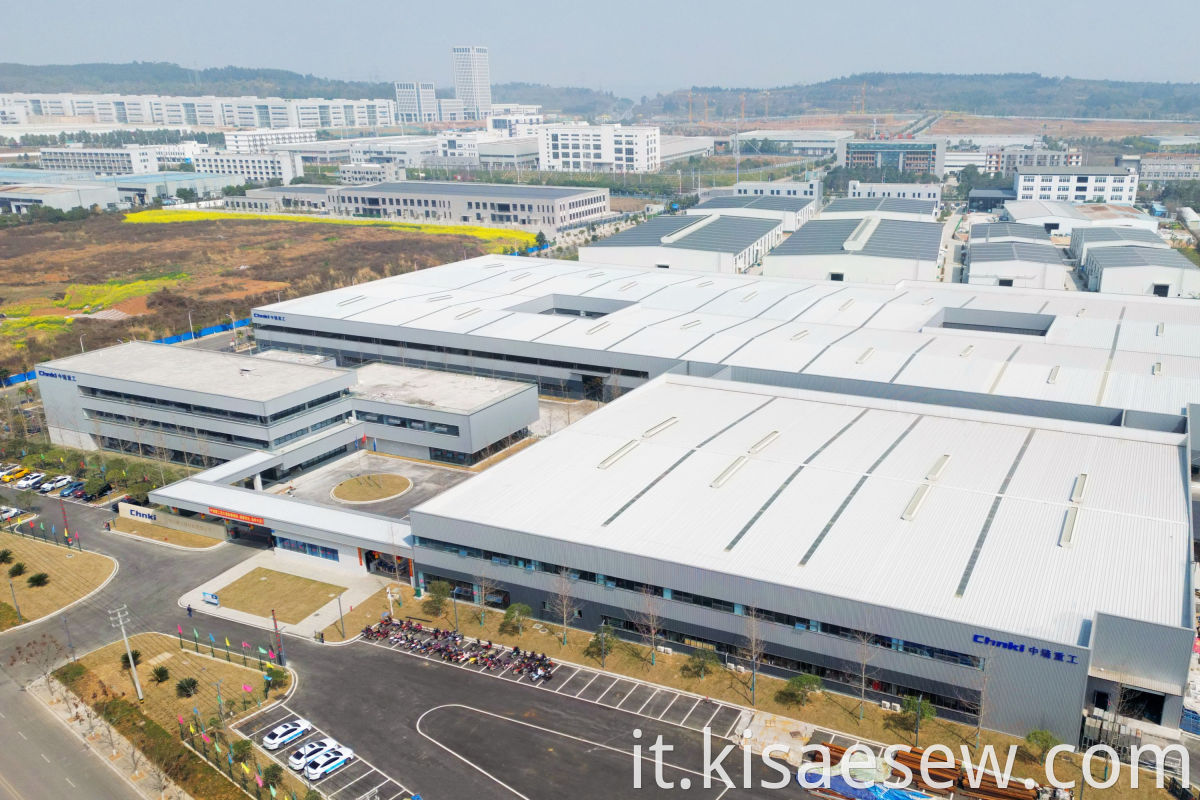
<point x="220" y="701"/>
<point x="70" y="646"/>
<point x="118" y="617"/>
<point x="342" y="618"/>
<point x="279" y="639"/>
<point x="14" y="595"/>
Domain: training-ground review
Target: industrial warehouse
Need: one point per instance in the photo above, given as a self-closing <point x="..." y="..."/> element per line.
<point x="784" y="451"/>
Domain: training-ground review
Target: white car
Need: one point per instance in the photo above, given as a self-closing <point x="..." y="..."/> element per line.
<point x="299" y="759"/>
<point x="328" y="762"/>
<point x="7" y="513"/>
<point x="57" y="483"/>
<point x="31" y="480"/>
<point x="287" y="732"/>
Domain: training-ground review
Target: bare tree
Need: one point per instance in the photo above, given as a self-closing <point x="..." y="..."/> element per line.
<point x="648" y="620"/>
<point x="42" y="654"/>
<point x="752" y="647"/>
<point x="487" y="588"/>
<point x="110" y="737"/>
<point x="562" y="604"/>
<point x="864" y="651"/>
<point x="135" y="760"/>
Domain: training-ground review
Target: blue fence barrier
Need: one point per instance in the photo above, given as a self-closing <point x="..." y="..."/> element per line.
<point x="13" y="380"/>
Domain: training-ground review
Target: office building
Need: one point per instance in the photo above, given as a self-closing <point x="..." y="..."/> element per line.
<point x="791" y="188"/>
<point x="1163" y="167"/>
<point x="548" y="209"/>
<point x="416" y="101"/>
<point x="1007" y="159"/>
<point x="177" y="153"/>
<point x="472" y="80"/>
<point x="516" y="124"/>
<point x="867" y="249"/>
<point x="461" y="148"/>
<point x="359" y="173"/>
<point x="266" y="140"/>
<point x="131" y="159"/>
<point x="404" y="151"/>
<point x="1114" y="185"/>
<point x="904" y="191"/>
<point x="920" y="156"/>
<point x="719" y="243"/>
<point x="255" y="167"/>
<point x="451" y="109"/>
<point x="578" y="147"/>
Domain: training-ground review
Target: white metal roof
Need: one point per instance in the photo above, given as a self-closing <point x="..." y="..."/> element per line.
<point x="794" y="320"/>
<point x="819" y="506"/>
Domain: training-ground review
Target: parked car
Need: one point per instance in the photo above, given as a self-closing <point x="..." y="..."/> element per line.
<point x="57" y="483"/>
<point x="7" y="468"/>
<point x="71" y="488"/>
<point x="287" y="732"/>
<point x="17" y="474"/>
<point x="328" y="762"/>
<point x="299" y="759"/>
<point x="7" y="513"/>
<point x="78" y="493"/>
<point x="31" y="481"/>
<point x="90" y="496"/>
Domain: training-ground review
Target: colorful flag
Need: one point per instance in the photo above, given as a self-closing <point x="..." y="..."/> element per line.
<point x="264" y="652"/>
<point x="217" y="746"/>
<point x="245" y="644"/>
<point x="195" y="633"/>
<point x="195" y="711"/>
<point x="211" y="639"/>
<point x="247" y="688"/>
<point x="180" y="627"/>
<point x="227" y="641"/>
<point x="181" y="720"/>
<point x="204" y="736"/>
<point x="271" y="654"/>
<point x="192" y="728"/>
<point x="258" y="780"/>
<point x="229" y="756"/>
<point x="245" y="769"/>
<point x="272" y="788"/>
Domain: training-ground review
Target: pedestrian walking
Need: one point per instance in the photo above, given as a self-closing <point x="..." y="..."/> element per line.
<point x="189" y="609"/>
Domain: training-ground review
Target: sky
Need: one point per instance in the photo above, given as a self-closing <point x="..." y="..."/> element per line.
<point x="629" y="48"/>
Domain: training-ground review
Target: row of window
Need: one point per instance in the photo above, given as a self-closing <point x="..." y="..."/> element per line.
<point x="208" y="411"/>
<point x="307" y="548"/>
<point x="170" y="427"/>
<point x="778" y="617"/>
<point x="411" y="424"/>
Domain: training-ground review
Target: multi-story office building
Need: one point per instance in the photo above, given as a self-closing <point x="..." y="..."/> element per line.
<point x="416" y="101"/>
<point x="128" y="160"/>
<point x="794" y="188"/>
<point x="472" y="80"/>
<point x="359" y="174"/>
<point x="903" y="191"/>
<point x="208" y="110"/>
<point x="516" y="124"/>
<point x="1114" y="185"/>
<point x="256" y="167"/>
<point x="461" y="148"/>
<point x="180" y="152"/>
<point x="577" y="147"/>
<point x="906" y="155"/>
<point x="534" y="208"/>
<point x="1007" y="159"/>
<point x="405" y="151"/>
<point x="265" y="140"/>
<point x="451" y="110"/>
<point x="1163" y="167"/>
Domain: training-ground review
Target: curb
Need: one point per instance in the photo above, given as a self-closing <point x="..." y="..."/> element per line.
<point x="69" y="606"/>
<point x="136" y="537"/>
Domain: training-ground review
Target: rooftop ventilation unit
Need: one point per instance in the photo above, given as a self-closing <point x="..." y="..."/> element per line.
<point x="618" y="454"/>
<point x="1156" y="369"/>
<point x="749" y="296"/>
<point x="520" y="275"/>
<point x="939" y="466"/>
<point x="595" y="274"/>
<point x="438" y="297"/>
<point x="870" y="351"/>
<point x="966" y="351"/>
<point x="702" y="284"/>
<point x="1080" y="312"/>
<point x="861" y="235"/>
<point x="762" y="443"/>
<point x="1053" y="376"/>
<point x="660" y="427"/>
<point x="927" y="301"/>
<point x="1068" y="529"/>
<point x="687" y="325"/>
<point x="914" y="505"/>
<point x="728" y="472"/>
<point x="1078" y="489"/>
<point x="799" y="334"/>
<point x="846" y="304"/>
<point x="597" y="328"/>
<point x="354" y="299"/>
<point x="629" y="285"/>
<point x="1158" y="330"/>
<point x="468" y="313"/>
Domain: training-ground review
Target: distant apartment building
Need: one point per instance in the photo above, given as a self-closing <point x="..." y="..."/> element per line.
<point x="359" y="174"/>
<point x="1112" y="185"/>
<point x="461" y="148"/>
<point x="906" y="155"/>
<point x="128" y="160"/>
<point x="1006" y="160"/>
<point x="599" y="148"/>
<point x="533" y="208"/>
<point x="1163" y="167"/>
<point x="904" y="191"/>
<point x="416" y="101"/>
<point x="205" y="111"/>
<point x="255" y="167"/>
<point x="472" y="80"/>
<point x="265" y="140"/>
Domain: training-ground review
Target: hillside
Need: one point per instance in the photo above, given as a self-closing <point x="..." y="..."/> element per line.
<point x="1024" y="94"/>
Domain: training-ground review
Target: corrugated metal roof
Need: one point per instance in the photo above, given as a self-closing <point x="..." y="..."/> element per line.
<point x="817" y="237"/>
<point x="767" y="202"/>
<point x="995" y="231"/>
<point x="827" y="479"/>
<point x="724" y="233"/>
<point x="1016" y="251"/>
<point x="651" y="232"/>
<point x="471" y="189"/>
<point x="882" y="204"/>
<point x="1110" y="257"/>
<point x="1085" y="236"/>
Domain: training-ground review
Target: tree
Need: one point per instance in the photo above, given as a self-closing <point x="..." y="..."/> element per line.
<point x="864" y="651"/>
<point x="601" y="644"/>
<point x="161" y="674"/>
<point x="436" y="595"/>
<point x="16" y="570"/>
<point x="753" y="648"/>
<point x="700" y="662"/>
<point x="135" y="760"/>
<point x="797" y="689"/>
<point x="42" y="654"/>
<point x="187" y="195"/>
<point x="38" y="579"/>
<point x="272" y="775"/>
<point x="514" y="618"/>
<point x="1042" y="741"/>
<point x="648" y="620"/>
<point x="6" y="556"/>
<point x="917" y="709"/>
<point x="242" y="749"/>
<point x="562" y="604"/>
<point x="137" y="658"/>
<point x="187" y="687"/>
<point x="540" y="239"/>
<point x="488" y="587"/>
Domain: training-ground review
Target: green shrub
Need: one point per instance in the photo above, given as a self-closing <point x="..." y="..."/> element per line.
<point x="5" y="556"/>
<point x="38" y="579"/>
<point x="273" y="775"/>
<point x="161" y="674"/>
<point x="16" y="569"/>
<point x="187" y="687"/>
<point x="241" y="750"/>
<point x="137" y="658"/>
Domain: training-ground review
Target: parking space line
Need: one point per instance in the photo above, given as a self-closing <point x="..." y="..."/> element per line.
<point x="668" y="708"/>
<point x="400" y="793"/>
<point x="689" y="713"/>
<point x="714" y="716"/>
<point x="278" y="721"/>
<point x="589" y="683"/>
<point x="735" y="724"/>
<point x="353" y="781"/>
<point x="377" y="788"/>
<point x="648" y="699"/>
<point x="606" y="691"/>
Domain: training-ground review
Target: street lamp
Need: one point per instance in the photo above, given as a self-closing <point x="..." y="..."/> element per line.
<point x="191" y="329"/>
<point x="81" y="338"/>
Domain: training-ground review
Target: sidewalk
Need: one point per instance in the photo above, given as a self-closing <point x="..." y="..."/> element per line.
<point x="110" y="746"/>
<point x="360" y="586"/>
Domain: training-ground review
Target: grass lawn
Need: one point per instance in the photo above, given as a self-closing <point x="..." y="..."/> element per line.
<point x="72" y="575"/>
<point x="377" y="486"/>
<point x="160" y="533"/>
<point x="292" y="597"/>
<point x="826" y="709"/>
<point x="368" y="612"/>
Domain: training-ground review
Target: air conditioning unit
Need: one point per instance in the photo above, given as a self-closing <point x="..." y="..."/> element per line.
<point x="664" y="650"/>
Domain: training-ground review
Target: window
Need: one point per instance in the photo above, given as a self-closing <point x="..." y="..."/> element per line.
<point x="307" y="548"/>
<point x="837" y="276"/>
<point x="1006" y="282"/>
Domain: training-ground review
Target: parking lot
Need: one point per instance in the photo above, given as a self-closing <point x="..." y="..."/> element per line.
<point x="358" y="779"/>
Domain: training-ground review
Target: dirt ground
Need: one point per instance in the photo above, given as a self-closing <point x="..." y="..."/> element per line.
<point x="292" y="597"/>
<point x="160" y="533"/>
<point x="73" y="574"/>
<point x="1059" y="128"/>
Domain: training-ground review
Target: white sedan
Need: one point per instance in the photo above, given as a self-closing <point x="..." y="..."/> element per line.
<point x="57" y="483"/>
<point x="7" y="513"/>
<point x="328" y="762"/>
<point x="299" y="759"/>
<point x="287" y="732"/>
<point x="31" y="480"/>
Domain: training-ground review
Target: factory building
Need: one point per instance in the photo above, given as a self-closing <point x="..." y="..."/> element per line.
<point x="721" y="243"/>
<point x="1017" y="264"/>
<point x="792" y="212"/>
<point x="866" y="249"/>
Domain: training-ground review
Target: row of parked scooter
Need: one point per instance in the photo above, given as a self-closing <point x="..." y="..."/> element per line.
<point x="451" y="646"/>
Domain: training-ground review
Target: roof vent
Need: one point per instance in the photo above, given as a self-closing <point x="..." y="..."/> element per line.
<point x="595" y="274"/>
<point x="436" y="298"/>
<point x="245" y="371"/>
<point x="966" y="351"/>
<point x="762" y="443"/>
<point x="468" y="313"/>
<point x="520" y="275"/>
<point x="629" y="285"/>
<point x="660" y="427"/>
<point x="846" y="304"/>
<point x="728" y="472"/>
<point x="914" y="505"/>
<point x="687" y="325"/>
<point x="354" y="299"/>
<point x="1156" y="369"/>
<point x="750" y="296"/>
<point x="702" y="284"/>
<point x="1080" y="312"/>
<point x="857" y="240"/>
<point x="1068" y="530"/>
<point x="799" y="334"/>
<point x="597" y="328"/>
<point x="939" y="466"/>
<point x="1053" y="376"/>
<point x="1079" y="487"/>
<point x="927" y="301"/>
<point x="1158" y="330"/>
<point x="870" y="351"/>
<point x="618" y="454"/>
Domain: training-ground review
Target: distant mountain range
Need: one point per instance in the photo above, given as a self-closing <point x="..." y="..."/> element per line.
<point x="1009" y="94"/>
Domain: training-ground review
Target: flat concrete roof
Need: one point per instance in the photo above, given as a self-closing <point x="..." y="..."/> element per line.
<point x="434" y="389"/>
<point x="191" y="369"/>
<point x="471" y="189"/>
